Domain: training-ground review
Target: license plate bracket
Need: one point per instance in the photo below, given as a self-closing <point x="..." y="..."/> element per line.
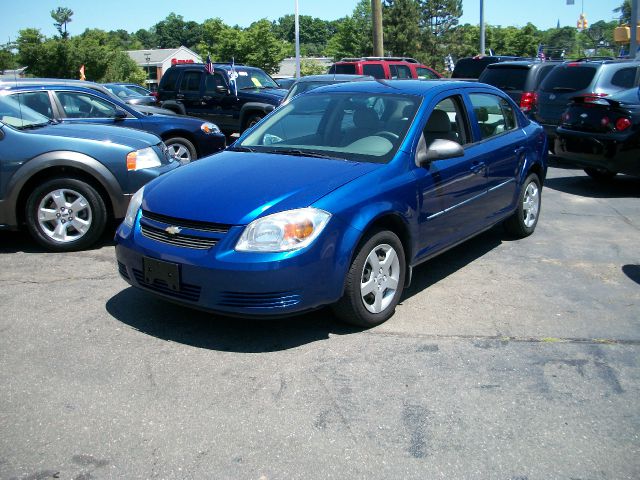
<point x="160" y="270"/>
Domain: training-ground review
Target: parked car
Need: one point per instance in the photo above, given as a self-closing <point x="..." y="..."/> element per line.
<point x="472" y="67"/>
<point x="130" y="96"/>
<point x="586" y="78"/>
<point x="65" y="181"/>
<point x="601" y="134"/>
<point x="519" y="79"/>
<point x="146" y="109"/>
<point x="187" y="138"/>
<point x="334" y="198"/>
<point x="189" y="89"/>
<point x="391" y="68"/>
<point x="310" y="82"/>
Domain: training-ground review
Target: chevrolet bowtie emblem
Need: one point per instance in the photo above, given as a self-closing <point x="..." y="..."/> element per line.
<point x="173" y="230"/>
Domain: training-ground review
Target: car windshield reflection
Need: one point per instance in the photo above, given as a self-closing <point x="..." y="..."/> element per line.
<point x="360" y="127"/>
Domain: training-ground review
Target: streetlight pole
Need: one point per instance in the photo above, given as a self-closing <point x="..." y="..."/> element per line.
<point x="482" y="46"/>
<point x="633" y="47"/>
<point x="147" y="56"/>
<point x="297" y="43"/>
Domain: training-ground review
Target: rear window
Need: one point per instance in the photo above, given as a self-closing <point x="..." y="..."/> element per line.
<point x="169" y="79"/>
<point x="568" y="78"/>
<point x="471" y="67"/>
<point x="505" y="78"/>
<point x="346" y="68"/>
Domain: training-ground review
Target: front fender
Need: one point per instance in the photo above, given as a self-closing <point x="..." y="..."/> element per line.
<point x="75" y="160"/>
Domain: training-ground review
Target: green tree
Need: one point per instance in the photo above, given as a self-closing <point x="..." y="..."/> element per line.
<point x="121" y="68"/>
<point x="401" y="20"/>
<point x="62" y="16"/>
<point x="147" y="38"/>
<point x="354" y="34"/>
<point x="625" y="12"/>
<point x="438" y="19"/>
<point x="173" y="32"/>
<point x="30" y="44"/>
<point x="261" y="48"/>
<point x="311" y="67"/>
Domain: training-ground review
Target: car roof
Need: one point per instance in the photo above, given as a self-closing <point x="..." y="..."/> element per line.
<point x="522" y="64"/>
<point x="338" y="77"/>
<point x="407" y="87"/>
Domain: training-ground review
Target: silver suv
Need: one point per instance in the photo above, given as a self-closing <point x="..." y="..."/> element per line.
<point x="581" y="78"/>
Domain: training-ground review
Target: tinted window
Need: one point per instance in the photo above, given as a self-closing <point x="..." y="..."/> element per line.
<point x="346" y="68"/>
<point x="493" y="114"/>
<point x="505" y="78"/>
<point x="568" y="78"/>
<point x="399" y="72"/>
<point x="374" y="69"/>
<point x="83" y="105"/>
<point x="190" y="82"/>
<point x="425" y="73"/>
<point x="38" y="101"/>
<point x="169" y="79"/>
<point x="624" y="78"/>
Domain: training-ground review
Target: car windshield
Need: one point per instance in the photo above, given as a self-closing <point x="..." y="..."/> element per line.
<point x="254" y="79"/>
<point x="18" y="115"/>
<point x="361" y="127"/>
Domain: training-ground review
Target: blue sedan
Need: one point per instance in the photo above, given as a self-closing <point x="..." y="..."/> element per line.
<point x="334" y="198"/>
<point x="187" y="138"/>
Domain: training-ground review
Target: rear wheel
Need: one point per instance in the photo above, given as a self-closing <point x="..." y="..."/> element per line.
<point x="65" y="214"/>
<point x="374" y="282"/>
<point x="182" y="149"/>
<point x="600" y="174"/>
<point x="524" y="220"/>
<point x="252" y="120"/>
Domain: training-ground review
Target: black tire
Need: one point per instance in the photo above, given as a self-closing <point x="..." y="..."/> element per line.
<point x="355" y="307"/>
<point x="600" y="174"/>
<point x="182" y="149"/>
<point x="59" y="233"/>
<point x="524" y="220"/>
<point x="251" y="120"/>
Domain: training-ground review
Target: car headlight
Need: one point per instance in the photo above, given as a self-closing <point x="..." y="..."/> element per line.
<point x="134" y="206"/>
<point x="145" y="158"/>
<point x="284" y="231"/>
<point x="209" y="128"/>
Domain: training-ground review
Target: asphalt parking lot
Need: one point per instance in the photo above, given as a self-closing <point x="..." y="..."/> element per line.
<point x="505" y="360"/>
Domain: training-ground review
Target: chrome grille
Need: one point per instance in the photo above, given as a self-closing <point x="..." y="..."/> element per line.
<point x="184" y="223"/>
<point x="259" y="300"/>
<point x="180" y="240"/>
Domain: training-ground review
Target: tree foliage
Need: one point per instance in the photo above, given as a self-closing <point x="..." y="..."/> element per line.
<point x="62" y="16"/>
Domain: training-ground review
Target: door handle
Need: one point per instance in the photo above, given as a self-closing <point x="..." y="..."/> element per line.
<point x="478" y="167"/>
<point x="179" y="96"/>
<point x="519" y="150"/>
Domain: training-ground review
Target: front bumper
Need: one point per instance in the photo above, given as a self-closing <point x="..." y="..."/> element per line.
<point x="219" y="279"/>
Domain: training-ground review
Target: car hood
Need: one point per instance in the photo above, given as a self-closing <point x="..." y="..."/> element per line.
<point x="236" y="187"/>
<point x="275" y="95"/>
<point x="136" y="139"/>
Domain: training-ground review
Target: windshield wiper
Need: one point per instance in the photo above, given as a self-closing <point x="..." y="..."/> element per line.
<point x="240" y="148"/>
<point x="299" y="153"/>
<point x="30" y="126"/>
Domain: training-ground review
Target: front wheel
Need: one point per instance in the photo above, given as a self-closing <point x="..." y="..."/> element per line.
<point x="182" y="149"/>
<point x="252" y="120"/>
<point x="374" y="281"/>
<point x="65" y="214"/>
<point x="524" y="220"/>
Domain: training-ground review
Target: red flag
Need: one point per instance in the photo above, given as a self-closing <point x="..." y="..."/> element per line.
<point x="82" y="77"/>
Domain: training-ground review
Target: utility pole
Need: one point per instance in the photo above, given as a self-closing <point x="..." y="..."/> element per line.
<point x="376" y="10"/>
<point x="633" y="47"/>
<point x="297" y="26"/>
<point x="482" y="46"/>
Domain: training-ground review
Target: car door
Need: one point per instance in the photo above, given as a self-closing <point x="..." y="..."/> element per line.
<point x="189" y="92"/>
<point x="83" y="107"/>
<point x="219" y="104"/>
<point x="499" y="145"/>
<point x="450" y="192"/>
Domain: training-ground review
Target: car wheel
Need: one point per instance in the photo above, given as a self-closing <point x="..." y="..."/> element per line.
<point x="600" y="174"/>
<point x="374" y="282"/>
<point x="524" y="220"/>
<point x="182" y="149"/>
<point x="252" y="120"/>
<point x="65" y="214"/>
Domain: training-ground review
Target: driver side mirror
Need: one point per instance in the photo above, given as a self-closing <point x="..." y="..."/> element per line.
<point x="120" y="114"/>
<point x="440" y="149"/>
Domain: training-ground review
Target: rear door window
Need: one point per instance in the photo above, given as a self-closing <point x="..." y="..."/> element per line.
<point x="347" y="69"/>
<point x="625" y="78"/>
<point x="569" y="78"/>
<point x="374" y="69"/>
<point x="494" y="114"/>
<point x="190" y="82"/>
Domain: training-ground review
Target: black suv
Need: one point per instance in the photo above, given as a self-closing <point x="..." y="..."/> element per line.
<point x="190" y="89"/>
<point x="581" y="78"/>
<point x="519" y="80"/>
<point x="472" y="67"/>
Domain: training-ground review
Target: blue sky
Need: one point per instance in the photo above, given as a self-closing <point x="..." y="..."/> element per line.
<point x="132" y="15"/>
